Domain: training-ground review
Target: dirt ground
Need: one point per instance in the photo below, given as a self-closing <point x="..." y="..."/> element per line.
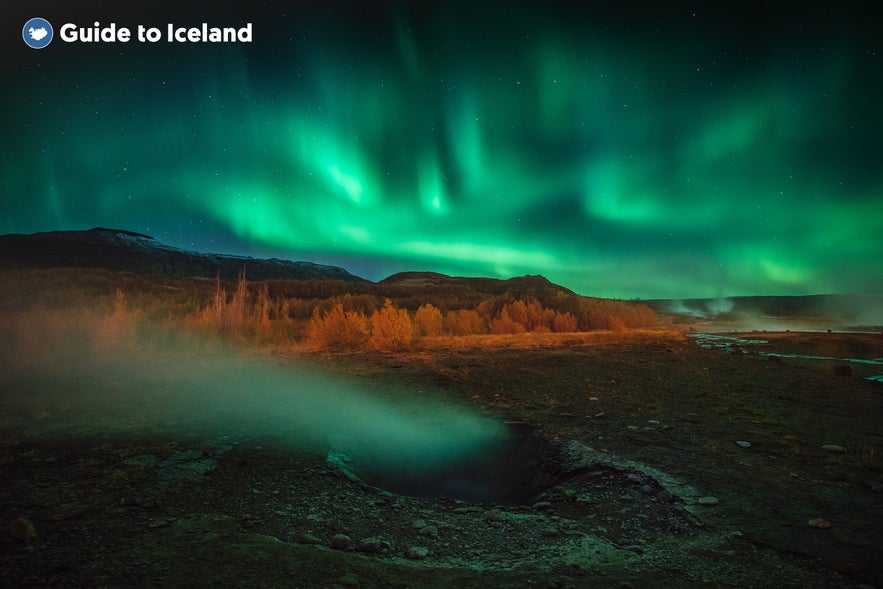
<point x="633" y="478"/>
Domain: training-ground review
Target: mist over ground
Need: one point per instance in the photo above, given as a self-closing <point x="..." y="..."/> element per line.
<point x="63" y="372"/>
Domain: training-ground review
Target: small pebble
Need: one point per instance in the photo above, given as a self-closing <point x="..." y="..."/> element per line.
<point x="743" y="444"/>
<point x="708" y="500"/>
<point x="417" y="552"/>
<point x="340" y="541"/>
<point x="819" y="523"/>
<point x="308" y="538"/>
<point x="371" y="544"/>
<point x="834" y="448"/>
<point x="22" y="529"/>
<point x="349" y="580"/>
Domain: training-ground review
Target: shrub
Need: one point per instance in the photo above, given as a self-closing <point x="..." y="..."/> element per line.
<point x="391" y="328"/>
<point x="564" y="323"/>
<point x="428" y="321"/>
<point x="337" y="329"/>
<point x="465" y="322"/>
<point x="505" y="323"/>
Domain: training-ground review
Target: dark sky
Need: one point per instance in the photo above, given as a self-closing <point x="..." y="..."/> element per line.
<point x="619" y="148"/>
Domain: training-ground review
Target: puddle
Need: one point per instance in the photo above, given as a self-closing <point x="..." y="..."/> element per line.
<point x="734" y="344"/>
<point x="729" y="343"/>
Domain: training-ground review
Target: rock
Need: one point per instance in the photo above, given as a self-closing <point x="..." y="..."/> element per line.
<point x="708" y="501"/>
<point x="843" y="370"/>
<point x="372" y="544"/>
<point x="542" y="505"/>
<point x="348" y="580"/>
<point x="340" y="541"/>
<point x="308" y="538"/>
<point x="417" y="552"/>
<point x="430" y="531"/>
<point x="647" y="489"/>
<point x="743" y="444"/>
<point x="418" y="524"/>
<point x="22" y="529"/>
<point x="834" y="448"/>
<point x="633" y="428"/>
<point x="819" y="523"/>
<point x="653" y="422"/>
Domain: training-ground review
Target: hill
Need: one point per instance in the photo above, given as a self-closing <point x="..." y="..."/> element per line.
<point x="533" y="285"/>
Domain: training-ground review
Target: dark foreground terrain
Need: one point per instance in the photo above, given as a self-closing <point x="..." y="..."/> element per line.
<point x="624" y="471"/>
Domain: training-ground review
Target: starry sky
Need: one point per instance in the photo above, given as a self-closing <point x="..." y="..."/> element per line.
<point x="621" y="149"/>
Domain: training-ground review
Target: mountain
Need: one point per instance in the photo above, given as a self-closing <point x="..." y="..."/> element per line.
<point x="116" y="249"/>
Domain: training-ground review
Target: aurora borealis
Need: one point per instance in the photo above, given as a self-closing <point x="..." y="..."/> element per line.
<point x="661" y="150"/>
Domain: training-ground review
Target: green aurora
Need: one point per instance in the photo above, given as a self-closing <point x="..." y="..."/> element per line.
<point x="661" y="153"/>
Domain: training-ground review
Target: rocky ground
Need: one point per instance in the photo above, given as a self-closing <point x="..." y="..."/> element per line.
<point x="652" y="462"/>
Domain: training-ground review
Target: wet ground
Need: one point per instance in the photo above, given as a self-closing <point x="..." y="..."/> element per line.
<point x="624" y="470"/>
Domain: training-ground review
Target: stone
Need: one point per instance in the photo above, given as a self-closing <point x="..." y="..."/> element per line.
<point x="743" y="444"/>
<point x="372" y="544"/>
<point x="340" y="541"/>
<point x="834" y="448"/>
<point x="418" y="524"/>
<point x="417" y="552"/>
<point x="708" y="501"/>
<point x="348" y="580"/>
<point x="430" y="531"/>
<point x="308" y="538"/>
<point x="22" y="529"/>
<point x="542" y="505"/>
<point x="819" y="523"/>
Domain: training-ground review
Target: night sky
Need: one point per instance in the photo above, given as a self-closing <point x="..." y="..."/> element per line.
<point x="620" y="149"/>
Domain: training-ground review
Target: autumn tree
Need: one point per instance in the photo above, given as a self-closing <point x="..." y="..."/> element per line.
<point x="428" y="321"/>
<point x="337" y="329"/>
<point x="464" y="322"/>
<point x="391" y="328"/>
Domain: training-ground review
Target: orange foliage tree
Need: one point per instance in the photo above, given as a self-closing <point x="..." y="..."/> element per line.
<point x="428" y="321"/>
<point x="391" y="328"/>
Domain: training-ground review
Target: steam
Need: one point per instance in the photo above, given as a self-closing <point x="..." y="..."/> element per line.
<point x="70" y="376"/>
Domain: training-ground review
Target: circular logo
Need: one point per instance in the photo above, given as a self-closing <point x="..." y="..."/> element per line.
<point x="37" y="33"/>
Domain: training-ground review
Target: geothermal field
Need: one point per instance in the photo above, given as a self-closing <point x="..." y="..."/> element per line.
<point x="145" y="447"/>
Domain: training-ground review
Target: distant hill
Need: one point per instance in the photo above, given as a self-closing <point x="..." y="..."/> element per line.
<point x="116" y="249"/>
<point x="522" y="285"/>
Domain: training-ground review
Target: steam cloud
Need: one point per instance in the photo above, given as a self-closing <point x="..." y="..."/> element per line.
<point x="82" y="378"/>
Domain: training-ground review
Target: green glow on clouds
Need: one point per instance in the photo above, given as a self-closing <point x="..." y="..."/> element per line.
<point x="614" y="164"/>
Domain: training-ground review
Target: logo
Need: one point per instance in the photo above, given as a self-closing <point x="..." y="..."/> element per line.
<point x="37" y="33"/>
